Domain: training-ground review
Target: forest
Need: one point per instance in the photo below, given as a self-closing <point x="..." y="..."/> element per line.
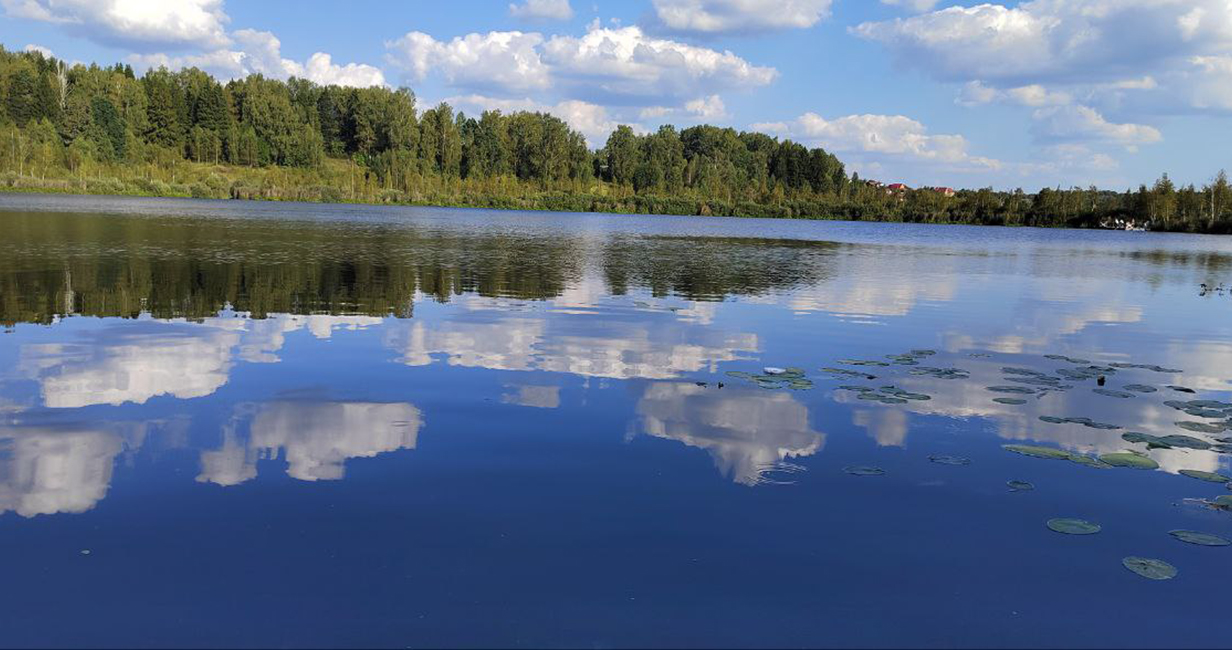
<point x="106" y="130"/>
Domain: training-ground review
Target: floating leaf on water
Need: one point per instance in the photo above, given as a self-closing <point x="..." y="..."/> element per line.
<point x="862" y="362"/>
<point x="864" y="470"/>
<point x="1089" y="461"/>
<point x="1102" y="426"/>
<point x="903" y="359"/>
<point x="1141" y="388"/>
<point x="1050" y="382"/>
<point x="858" y="389"/>
<point x="1150" y="568"/>
<point x="1212" y="414"/>
<point x="1131" y="461"/>
<point x="1210" y="404"/>
<point x="1202" y="427"/>
<point x="800" y="384"/>
<point x="1073" y="526"/>
<point x="941" y="373"/>
<point x="1210" y="477"/>
<point x="1011" y="401"/>
<point x="1176" y="404"/>
<point x="902" y="394"/>
<point x="1223" y="502"/>
<point x="1166" y="442"/>
<point x="1038" y="452"/>
<point x="1201" y="539"/>
<point x="979" y="355"/>
<point x="923" y="353"/>
<point x="1020" y="486"/>
<point x="1014" y="390"/>
<point x="1062" y="357"/>
<point x="1147" y="366"/>
<point x="1182" y="389"/>
<point x="1027" y="372"/>
<point x="1112" y="393"/>
<point x="884" y="399"/>
<point x="849" y="373"/>
<point x="949" y="460"/>
<point x="1051" y="419"/>
<point x="1049" y="453"/>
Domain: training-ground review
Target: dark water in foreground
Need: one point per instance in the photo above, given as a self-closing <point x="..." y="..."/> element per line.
<point x="291" y="425"/>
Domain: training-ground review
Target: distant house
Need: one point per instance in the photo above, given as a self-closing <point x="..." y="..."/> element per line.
<point x="944" y="191"/>
<point x="897" y="187"/>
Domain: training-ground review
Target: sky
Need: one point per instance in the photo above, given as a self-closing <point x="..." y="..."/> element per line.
<point x="928" y="92"/>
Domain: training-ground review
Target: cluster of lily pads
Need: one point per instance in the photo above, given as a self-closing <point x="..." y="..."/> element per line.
<point x="1023" y="383"/>
<point x="776" y="378"/>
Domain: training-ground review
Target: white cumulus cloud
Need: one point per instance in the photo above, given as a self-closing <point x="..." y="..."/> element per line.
<point x="142" y="25"/>
<point x="1064" y="123"/>
<point x="261" y="52"/>
<point x="623" y="64"/>
<point x="542" y="10"/>
<point x="739" y="16"/>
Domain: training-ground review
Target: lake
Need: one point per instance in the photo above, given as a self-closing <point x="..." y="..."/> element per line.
<point x="257" y="424"/>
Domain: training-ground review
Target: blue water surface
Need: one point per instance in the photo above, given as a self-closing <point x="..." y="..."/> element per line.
<point x="253" y="424"/>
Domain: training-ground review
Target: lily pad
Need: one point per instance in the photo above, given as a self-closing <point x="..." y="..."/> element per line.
<point x="923" y="353"/>
<point x="941" y="373"/>
<point x="1020" y="486"/>
<point x="1210" y="477"/>
<point x="1201" y="539"/>
<point x="1026" y="372"/>
<point x="902" y="394"/>
<point x="1131" y="461"/>
<point x="949" y="460"/>
<point x="1062" y="357"/>
<point x="1185" y="442"/>
<point x="864" y="470"/>
<point x="1106" y="392"/>
<point x="1012" y="390"/>
<point x="862" y="362"/>
<point x="858" y="389"/>
<point x="1223" y="502"/>
<point x="1147" y="366"/>
<point x="1049" y="453"/>
<point x="1073" y="526"/>
<point x="1033" y="451"/>
<point x="1052" y="419"/>
<point x="1141" y="388"/>
<point x="1150" y="568"/>
<point x="884" y="399"/>
<point x="1210" y="414"/>
<point x="849" y="373"/>
<point x="1182" y="389"/>
<point x="1202" y="427"/>
<point x="1011" y="401"/>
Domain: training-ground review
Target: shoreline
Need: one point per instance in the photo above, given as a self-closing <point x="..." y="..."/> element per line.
<point x="537" y="204"/>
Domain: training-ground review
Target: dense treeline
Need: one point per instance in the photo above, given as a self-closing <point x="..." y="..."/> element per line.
<point x="105" y="130"/>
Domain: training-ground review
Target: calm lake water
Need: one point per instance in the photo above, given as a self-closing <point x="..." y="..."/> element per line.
<point x="230" y="423"/>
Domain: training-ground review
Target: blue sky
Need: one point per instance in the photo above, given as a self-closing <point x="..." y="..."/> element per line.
<point x="1011" y="94"/>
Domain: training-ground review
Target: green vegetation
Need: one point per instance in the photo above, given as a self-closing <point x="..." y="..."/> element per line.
<point x="102" y="130"/>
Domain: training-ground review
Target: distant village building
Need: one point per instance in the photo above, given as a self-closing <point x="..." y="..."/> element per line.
<point x="947" y="192"/>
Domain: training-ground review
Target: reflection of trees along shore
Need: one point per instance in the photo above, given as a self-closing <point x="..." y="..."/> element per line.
<point x="55" y="264"/>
